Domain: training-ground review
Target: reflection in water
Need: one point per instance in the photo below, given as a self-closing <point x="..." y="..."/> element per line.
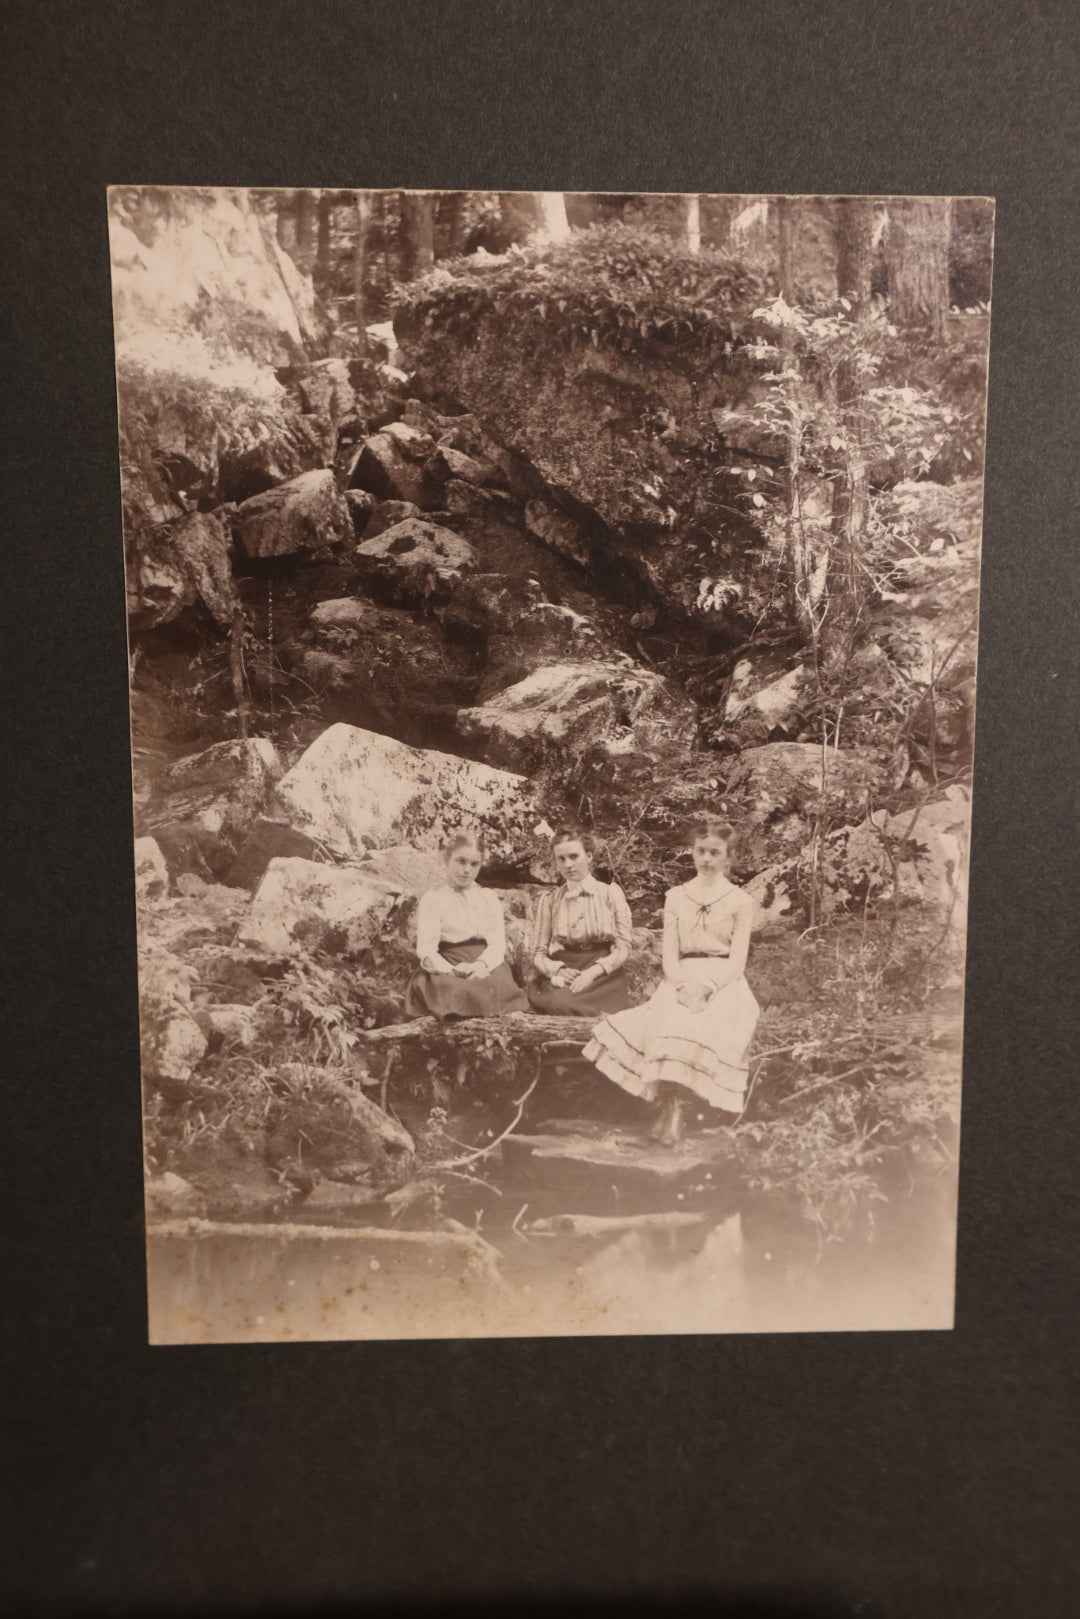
<point x="732" y="1274"/>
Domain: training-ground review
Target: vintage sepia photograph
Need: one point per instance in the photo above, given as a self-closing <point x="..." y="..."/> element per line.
<point x="552" y="626"/>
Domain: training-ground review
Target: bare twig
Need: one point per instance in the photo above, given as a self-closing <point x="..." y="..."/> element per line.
<point x="482" y="1152"/>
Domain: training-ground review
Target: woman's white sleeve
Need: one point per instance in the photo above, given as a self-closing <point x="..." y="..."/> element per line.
<point x="494" y="953"/>
<point x="428" y="933"/>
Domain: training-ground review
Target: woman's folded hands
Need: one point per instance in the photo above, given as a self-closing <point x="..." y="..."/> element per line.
<point x="695" y="997"/>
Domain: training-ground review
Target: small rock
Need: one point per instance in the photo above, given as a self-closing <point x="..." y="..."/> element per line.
<point x="558" y="531"/>
<point x="151" y="872"/>
<point x="234" y="1025"/>
<point x="343" y="613"/>
<point x="456" y="464"/>
<point x="491" y="604"/>
<point x="385" y="513"/>
<point x="308" y="513"/>
<point x="392" y="466"/>
<point x="753" y="715"/>
<point x="325" y="390"/>
<point x="479" y="505"/>
<point x="171" y="1194"/>
<point x="266" y="840"/>
<point x="326" y="671"/>
<point x="415" y="561"/>
<point x="172" y="1041"/>
<point x="361" y="504"/>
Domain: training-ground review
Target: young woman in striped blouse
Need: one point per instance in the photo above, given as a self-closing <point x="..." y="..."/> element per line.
<point x="581" y="937"/>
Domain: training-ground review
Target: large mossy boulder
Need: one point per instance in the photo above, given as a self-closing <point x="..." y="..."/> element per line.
<point x="608" y="365"/>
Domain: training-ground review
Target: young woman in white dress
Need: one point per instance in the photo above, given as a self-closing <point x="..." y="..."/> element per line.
<point x="693" y="1034"/>
<point x="461" y="943"/>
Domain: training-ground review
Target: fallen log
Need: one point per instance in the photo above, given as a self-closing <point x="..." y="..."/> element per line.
<point x="515" y="1028"/>
<point x="466" y="1244"/>
<point x="606" y="1225"/>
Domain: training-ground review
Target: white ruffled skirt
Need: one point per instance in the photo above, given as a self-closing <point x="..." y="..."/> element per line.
<point x="663" y="1042"/>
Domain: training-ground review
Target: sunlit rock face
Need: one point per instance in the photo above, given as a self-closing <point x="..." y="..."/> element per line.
<point x="563" y="709"/>
<point x="354" y="791"/>
<point x="195" y="260"/>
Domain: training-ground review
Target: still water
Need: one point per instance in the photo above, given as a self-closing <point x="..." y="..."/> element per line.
<point x="720" y="1259"/>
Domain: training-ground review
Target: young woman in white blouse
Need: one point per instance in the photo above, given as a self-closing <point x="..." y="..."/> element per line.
<point x="461" y="943"/>
<point x="693" y="1034"/>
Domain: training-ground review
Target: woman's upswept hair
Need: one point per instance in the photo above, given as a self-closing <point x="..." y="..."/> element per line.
<point x="572" y="834"/>
<point x="463" y="839"/>
<point x="711" y="826"/>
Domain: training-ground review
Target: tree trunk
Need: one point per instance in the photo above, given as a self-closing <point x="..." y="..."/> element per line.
<point x="786" y="231"/>
<point x="285" y="215"/>
<point x="717" y="214"/>
<point x="304" y="252"/>
<point x="851" y="491"/>
<point x="693" y="223"/>
<point x="363" y="214"/>
<point x="450" y="225"/>
<point x="553" y="215"/>
<point x="322" y="271"/>
<point x="917" y="254"/>
<point x="417" y="233"/>
<point x="236" y="669"/>
<point x="854" y="250"/>
<point x="748" y="228"/>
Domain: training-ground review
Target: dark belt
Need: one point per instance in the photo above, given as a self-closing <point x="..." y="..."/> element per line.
<point x="556" y="948"/>
<point x="705" y="955"/>
<point x="459" y="944"/>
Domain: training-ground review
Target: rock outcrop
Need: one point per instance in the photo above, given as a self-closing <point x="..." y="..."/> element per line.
<point x="334" y="1130"/>
<point x="183" y="567"/>
<point x="772" y="790"/>
<point x="172" y="1041"/>
<point x="560" y="710"/>
<point x="300" y="904"/>
<point x="354" y="791"/>
<point x="209" y="801"/>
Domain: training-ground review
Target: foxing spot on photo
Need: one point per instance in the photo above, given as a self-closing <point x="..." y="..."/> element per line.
<point x="552" y="625"/>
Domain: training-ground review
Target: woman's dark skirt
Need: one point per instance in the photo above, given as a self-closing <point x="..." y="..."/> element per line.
<point x="448" y="996"/>
<point x="611" y="994"/>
